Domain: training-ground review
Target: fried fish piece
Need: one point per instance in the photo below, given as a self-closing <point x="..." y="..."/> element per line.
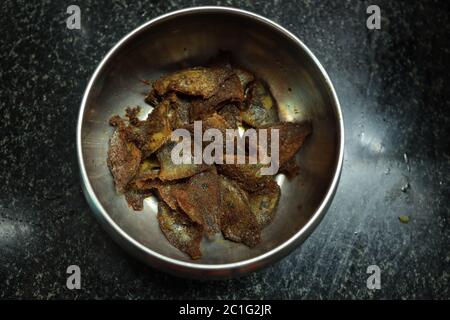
<point x="230" y="112"/>
<point x="261" y="108"/>
<point x="194" y="198"/>
<point x="123" y="157"/>
<point x="247" y="175"/>
<point x="230" y="91"/>
<point x="172" y="171"/>
<point x="200" y="200"/>
<point x="165" y="190"/>
<point x="264" y="202"/>
<point x="213" y="121"/>
<point x="148" y="170"/>
<point x="179" y="111"/>
<point x="180" y="231"/>
<point x="135" y="197"/>
<point x="224" y="59"/>
<point x="292" y="135"/>
<point x="200" y="81"/>
<point x="132" y="113"/>
<point x="237" y="221"/>
<point x="150" y="134"/>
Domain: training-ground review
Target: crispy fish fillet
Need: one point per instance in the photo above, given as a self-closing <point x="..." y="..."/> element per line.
<point x="261" y="108"/>
<point x="180" y="231"/>
<point x="230" y="91"/>
<point x="246" y="175"/>
<point x="149" y="135"/>
<point x="200" y="200"/>
<point x="135" y="198"/>
<point x="123" y="158"/>
<point x="179" y="110"/>
<point x="148" y="170"/>
<point x="230" y="112"/>
<point x="203" y="82"/>
<point x="292" y="136"/>
<point x="172" y="171"/>
<point x="213" y="121"/>
<point x="166" y="190"/>
<point x="264" y="202"/>
<point x="132" y="114"/>
<point x="237" y="221"/>
<point x="224" y="59"/>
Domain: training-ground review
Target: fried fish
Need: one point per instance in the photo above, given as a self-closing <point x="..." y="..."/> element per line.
<point x="200" y="200"/>
<point x="123" y="158"/>
<point x="291" y="136"/>
<point x="149" y="135"/>
<point x="264" y="202"/>
<point x="200" y="81"/>
<point x="180" y="231"/>
<point x="230" y="91"/>
<point x="234" y="199"/>
<point x="237" y="221"/>
<point x="171" y="171"/>
<point x="261" y="108"/>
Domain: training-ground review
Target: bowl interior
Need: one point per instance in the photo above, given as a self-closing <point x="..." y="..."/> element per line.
<point x="192" y="39"/>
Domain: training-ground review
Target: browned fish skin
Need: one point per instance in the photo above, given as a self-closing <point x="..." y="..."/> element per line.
<point x="264" y="202"/>
<point x="237" y="222"/>
<point x="170" y="171"/>
<point x="291" y="136"/>
<point x="166" y="190"/>
<point x="135" y="198"/>
<point x="116" y="121"/>
<point x="230" y="91"/>
<point x="200" y="200"/>
<point x="213" y="121"/>
<point x="247" y="175"/>
<point x="180" y="231"/>
<point x="261" y="108"/>
<point x="178" y="114"/>
<point x="203" y="82"/>
<point x="150" y="134"/>
<point x="148" y="170"/>
<point x="224" y="59"/>
<point x="231" y="114"/>
<point x="167" y="193"/>
<point x="132" y="114"/>
<point x="123" y="159"/>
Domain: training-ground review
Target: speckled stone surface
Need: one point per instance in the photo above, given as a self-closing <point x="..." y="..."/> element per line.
<point x="393" y="87"/>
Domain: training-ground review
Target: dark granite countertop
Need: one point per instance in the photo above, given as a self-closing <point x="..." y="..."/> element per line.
<point x="393" y="87"/>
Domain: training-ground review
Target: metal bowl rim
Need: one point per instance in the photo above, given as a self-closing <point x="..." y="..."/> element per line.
<point x="285" y="246"/>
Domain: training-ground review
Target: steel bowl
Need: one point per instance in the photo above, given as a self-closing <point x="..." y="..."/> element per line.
<point x="191" y="37"/>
